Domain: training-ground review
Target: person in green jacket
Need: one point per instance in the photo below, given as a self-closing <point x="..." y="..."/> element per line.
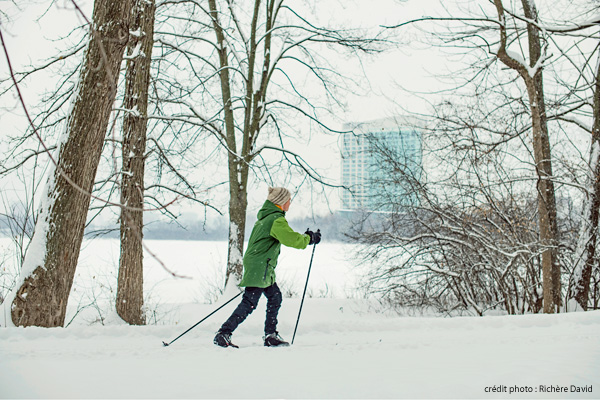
<point x="260" y="259"/>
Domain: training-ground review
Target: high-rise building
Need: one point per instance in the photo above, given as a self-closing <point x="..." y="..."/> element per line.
<point x="368" y="153"/>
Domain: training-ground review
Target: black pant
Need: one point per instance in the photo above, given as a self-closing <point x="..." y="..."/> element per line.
<point x="249" y="302"/>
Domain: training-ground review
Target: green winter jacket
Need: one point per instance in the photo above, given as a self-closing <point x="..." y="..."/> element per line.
<point x="269" y="233"/>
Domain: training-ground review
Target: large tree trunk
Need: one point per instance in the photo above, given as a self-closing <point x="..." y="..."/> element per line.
<point x="130" y="293"/>
<point x="49" y="266"/>
<point x="589" y="236"/>
<point x="547" y="218"/>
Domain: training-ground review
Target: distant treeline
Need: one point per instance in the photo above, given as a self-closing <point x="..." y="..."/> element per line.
<point x="333" y="228"/>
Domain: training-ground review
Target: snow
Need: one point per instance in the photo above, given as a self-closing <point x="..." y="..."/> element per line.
<point x="531" y="71"/>
<point x="134" y="111"/>
<point x="342" y="350"/>
<point x="135" y="53"/>
<point x="346" y="346"/>
<point x="573" y="25"/>
<point x="235" y="256"/>
<point x="137" y="33"/>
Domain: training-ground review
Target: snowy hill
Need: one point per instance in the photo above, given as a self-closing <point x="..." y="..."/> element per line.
<point x="343" y="349"/>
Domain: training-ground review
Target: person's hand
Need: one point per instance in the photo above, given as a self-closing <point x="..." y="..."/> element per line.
<point x="318" y="236"/>
<point x="315" y="237"/>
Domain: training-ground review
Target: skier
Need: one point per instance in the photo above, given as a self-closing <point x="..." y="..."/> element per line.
<point x="260" y="259"/>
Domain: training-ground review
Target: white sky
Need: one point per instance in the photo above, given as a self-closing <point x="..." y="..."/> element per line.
<point x="29" y="39"/>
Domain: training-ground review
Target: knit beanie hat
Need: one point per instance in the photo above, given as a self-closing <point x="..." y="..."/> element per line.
<point x="279" y="195"/>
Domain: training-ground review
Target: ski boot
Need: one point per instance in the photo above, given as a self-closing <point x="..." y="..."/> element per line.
<point x="274" y="340"/>
<point x="223" y="339"/>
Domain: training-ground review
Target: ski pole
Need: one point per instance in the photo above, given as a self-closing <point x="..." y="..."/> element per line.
<point x="305" y="286"/>
<point x="202" y="320"/>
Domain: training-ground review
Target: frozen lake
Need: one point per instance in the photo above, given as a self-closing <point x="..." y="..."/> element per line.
<point x="200" y="267"/>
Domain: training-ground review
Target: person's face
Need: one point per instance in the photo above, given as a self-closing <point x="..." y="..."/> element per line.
<point x="286" y="206"/>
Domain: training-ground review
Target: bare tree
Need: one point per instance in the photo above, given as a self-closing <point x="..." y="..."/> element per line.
<point x="166" y="156"/>
<point x="576" y="110"/>
<point x="51" y="258"/>
<point x="532" y="76"/>
<point x="466" y="242"/>
<point x="244" y="89"/>
<point x="130" y="293"/>
<point x="516" y="36"/>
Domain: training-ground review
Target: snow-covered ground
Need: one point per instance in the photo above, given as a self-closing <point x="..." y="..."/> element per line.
<point x="344" y="347"/>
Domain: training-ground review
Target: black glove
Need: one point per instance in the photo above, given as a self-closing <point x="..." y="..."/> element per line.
<point x="315" y="237"/>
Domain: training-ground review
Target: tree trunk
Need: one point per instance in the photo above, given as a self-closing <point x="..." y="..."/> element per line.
<point x="543" y="159"/>
<point x="547" y="218"/>
<point x="546" y="207"/>
<point x="51" y="260"/>
<point x="238" y="205"/>
<point x="130" y="293"/>
<point x="589" y="236"/>
<point x="238" y="168"/>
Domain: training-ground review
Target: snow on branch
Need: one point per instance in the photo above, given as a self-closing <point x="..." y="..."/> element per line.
<point x="299" y="162"/>
<point x="442" y="271"/>
<point x="590" y="22"/>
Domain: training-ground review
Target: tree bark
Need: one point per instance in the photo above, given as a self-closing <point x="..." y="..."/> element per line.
<point x="589" y="236"/>
<point x="51" y="260"/>
<point x="130" y="293"/>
